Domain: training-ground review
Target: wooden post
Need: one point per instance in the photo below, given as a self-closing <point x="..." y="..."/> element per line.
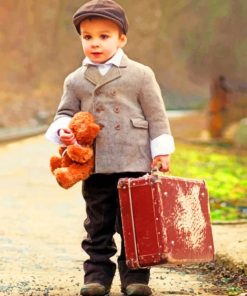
<point x="217" y="107"/>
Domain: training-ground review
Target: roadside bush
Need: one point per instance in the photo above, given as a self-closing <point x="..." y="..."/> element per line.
<point x="224" y="171"/>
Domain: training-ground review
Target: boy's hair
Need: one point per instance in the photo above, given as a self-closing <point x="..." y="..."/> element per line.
<point x="91" y="18"/>
<point x="107" y="9"/>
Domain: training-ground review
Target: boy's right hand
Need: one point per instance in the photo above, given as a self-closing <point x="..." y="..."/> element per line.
<point x="66" y="136"/>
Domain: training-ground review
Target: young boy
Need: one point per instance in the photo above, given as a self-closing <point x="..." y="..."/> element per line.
<point x="126" y="102"/>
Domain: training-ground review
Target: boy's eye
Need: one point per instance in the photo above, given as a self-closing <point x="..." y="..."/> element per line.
<point x="86" y="37"/>
<point x="104" y="36"/>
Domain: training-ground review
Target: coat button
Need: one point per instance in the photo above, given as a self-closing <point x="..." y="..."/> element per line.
<point x="97" y="92"/>
<point x="116" y="109"/>
<point x="117" y="126"/>
<point x="113" y="92"/>
<point x="99" y="109"/>
<point x="101" y="125"/>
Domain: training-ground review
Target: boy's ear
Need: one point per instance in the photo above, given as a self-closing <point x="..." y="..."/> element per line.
<point x="122" y="40"/>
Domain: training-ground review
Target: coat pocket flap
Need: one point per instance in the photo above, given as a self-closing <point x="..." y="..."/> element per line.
<point x="140" y="123"/>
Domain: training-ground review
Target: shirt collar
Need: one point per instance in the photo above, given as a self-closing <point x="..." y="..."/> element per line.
<point x="115" y="60"/>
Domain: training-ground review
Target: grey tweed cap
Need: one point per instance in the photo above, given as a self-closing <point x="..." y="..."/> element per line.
<point x="108" y="9"/>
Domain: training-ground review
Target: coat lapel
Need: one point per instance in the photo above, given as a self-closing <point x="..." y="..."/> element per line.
<point x="112" y="74"/>
<point x="92" y="73"/>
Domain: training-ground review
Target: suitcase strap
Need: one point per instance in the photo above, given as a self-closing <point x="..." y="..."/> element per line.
<point x="133" y="226"/>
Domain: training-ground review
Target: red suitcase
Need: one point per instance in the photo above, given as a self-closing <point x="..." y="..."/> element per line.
<point x="165" y="220"/>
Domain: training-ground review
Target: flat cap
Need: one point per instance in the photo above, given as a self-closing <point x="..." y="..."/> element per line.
<point x="102" y="8"/>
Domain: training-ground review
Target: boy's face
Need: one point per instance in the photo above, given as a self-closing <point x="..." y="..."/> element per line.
<point x="100" y="39"/>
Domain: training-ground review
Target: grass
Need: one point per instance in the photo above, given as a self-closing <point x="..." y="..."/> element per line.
<point x="225" y="173"/>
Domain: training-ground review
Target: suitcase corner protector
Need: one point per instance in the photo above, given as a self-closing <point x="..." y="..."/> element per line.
<point x="121" y="183"/>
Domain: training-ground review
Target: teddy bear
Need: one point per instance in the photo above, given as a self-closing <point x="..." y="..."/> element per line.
<point x="76" y="161"/>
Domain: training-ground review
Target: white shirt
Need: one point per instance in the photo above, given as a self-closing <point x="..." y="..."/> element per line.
<point x="162" y="145"/>
<point x="104" y="68"/>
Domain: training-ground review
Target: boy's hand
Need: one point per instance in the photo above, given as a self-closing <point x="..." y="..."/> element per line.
<point x="66" y="136"/>
<point x="161" y="162"/>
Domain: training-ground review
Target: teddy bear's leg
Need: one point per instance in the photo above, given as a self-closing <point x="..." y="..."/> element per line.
<point x="67" y="177"/>
<point x="55" y="162"/>
<point x="79" y="153"/>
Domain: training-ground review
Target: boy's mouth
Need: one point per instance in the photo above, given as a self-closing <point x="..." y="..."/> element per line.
<point x="96" y="53"/>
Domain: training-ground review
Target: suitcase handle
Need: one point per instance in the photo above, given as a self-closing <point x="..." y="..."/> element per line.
<point x="156" y="170"/>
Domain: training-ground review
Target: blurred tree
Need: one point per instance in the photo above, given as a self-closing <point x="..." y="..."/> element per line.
<point x="186" y="42"/>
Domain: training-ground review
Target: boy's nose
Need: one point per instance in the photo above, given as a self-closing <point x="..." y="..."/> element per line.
<point x="95" y="43"/>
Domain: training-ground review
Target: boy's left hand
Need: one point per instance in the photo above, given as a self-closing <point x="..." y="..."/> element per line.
<point x="161" y="162"/>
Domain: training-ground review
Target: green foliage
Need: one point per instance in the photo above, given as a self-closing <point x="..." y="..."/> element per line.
<point x="223" y="170"/>
<point x="232" y="291"/>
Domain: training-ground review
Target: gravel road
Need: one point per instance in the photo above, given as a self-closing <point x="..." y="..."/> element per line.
<point x="41" y="227"/>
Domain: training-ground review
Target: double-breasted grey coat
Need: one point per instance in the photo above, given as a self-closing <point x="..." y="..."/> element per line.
<point x="128" y="105"/>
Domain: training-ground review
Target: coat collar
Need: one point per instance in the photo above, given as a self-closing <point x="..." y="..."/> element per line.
<point x="92" y="73"/>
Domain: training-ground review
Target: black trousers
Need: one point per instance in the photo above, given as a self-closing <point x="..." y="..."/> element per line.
<point x="102" y="222"/>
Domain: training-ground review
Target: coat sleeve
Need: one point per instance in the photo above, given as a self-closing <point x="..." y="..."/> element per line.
<point x="69" y="103"/>
<point x="52" y="132"/>
<point x="153" y="105"/>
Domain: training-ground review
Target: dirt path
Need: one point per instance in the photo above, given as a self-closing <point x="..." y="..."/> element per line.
<point x="41" y="231"/>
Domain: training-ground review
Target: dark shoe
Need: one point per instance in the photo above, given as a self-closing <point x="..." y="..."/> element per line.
<point x="137" y="290"/>
<point x="94" y="289"/>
